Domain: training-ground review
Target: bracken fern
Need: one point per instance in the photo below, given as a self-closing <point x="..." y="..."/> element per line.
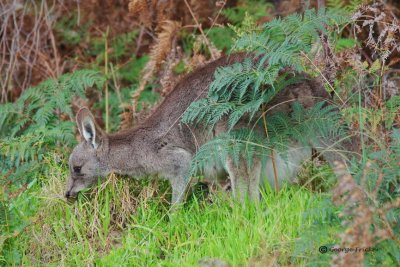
<point x="243" y="89"/>
<point x="302" y="125"/>
<point x="33" y="123"/>
<point x="29" y="129"/>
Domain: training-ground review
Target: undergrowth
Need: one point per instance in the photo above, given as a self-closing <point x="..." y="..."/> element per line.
<point x="124" y="221"/>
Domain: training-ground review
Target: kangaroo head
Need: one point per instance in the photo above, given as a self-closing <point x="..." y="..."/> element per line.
<point x="87" y="162"/>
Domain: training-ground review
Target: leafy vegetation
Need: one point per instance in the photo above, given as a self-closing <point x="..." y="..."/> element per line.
<point x="33" y="124"/>
<point x="127" y="222"/>
<point x="123" y="61"/>
<point x="31" y="128"/>
<point x="301" y="125"/>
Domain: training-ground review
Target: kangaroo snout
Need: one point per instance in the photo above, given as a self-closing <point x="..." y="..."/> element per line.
<point x="70" y="197"/>
<point x="67" y="194"/>
<point x="73" y="187"/>
<point x="70" y="194"/>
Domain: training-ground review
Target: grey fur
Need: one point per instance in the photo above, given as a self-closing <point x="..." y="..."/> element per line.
<point x="162" y="146"/>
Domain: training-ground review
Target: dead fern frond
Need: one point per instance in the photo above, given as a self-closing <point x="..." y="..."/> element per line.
<point x="153" y="13"/>
<point x="142" y="10"/>
<point x="330" y="60"/>
<point x="379" y="29"/>
<point x="166" y="18"/>
<point x="364" y="230"/>
<point x="126" y="117"/>
<point x="200" y="28"/>
<point x="159" y="52"/>
<point x="202" y="9"/>
<point x="198" y="59"/>
<point x="166" y="38"/>
<point x="168" y="77"/>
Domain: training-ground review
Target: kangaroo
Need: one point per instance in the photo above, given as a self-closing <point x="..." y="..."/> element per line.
<point x="162" y="146"/>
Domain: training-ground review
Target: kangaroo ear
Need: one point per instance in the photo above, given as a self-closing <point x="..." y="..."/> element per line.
<point x="87" y="127"/>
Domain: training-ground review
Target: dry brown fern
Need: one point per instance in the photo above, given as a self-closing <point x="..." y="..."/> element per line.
<point x="142" y="9"/>
<point x="363" y="229"/>
<point x="152" y="13"/>
<point x="166" y="18"/>
<point x="28" y="45"/>
<point x="198" y="59"/>
<point x="168" y="77"/>
<point x="166" y="41"/>
<point x="158" y="54"/>
<point x="129" y="117"/>
<point x="126" y="117"/>
<point x="379" y="29"/>
<point x="202" y="9"/>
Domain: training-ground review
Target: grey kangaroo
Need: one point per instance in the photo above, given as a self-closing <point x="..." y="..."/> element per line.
<point x="162" y="146"/>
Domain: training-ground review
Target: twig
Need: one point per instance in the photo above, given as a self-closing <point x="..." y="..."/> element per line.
<point x="323" y="76"/>
<point x="272" y="156"/>
<point x="116" y="85"/>
<point x="139" y="40"/>
<point x="206" y="41"/>
<point x="223" y="3"/>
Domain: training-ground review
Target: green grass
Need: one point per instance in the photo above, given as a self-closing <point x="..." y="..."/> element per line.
<point x="126" y="222"/>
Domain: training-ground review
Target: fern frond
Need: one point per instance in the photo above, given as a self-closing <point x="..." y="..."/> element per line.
<point x="304" y="125"/>
<point x="234" y="144"/>
<point x="276" y="48"/>
<point x="32" y="125"/>
<point x="301" y="125"/>
<point x="142" y="10"/>
<point x="158" y="54"/>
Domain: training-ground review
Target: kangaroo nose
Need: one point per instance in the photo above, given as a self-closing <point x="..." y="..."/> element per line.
<point x="68" y="194"/>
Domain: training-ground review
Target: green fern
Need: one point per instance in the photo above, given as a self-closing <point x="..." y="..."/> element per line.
<point x="33" y="125"/>
<point x="302" y="125"/>
<point x="232" y="143"/>
<point x="257" y="8"/>
<point x="393" y="108"/>
<point x="241" y="90"/>
<point x="348" y="6"/>
<point x="278" y="47"/>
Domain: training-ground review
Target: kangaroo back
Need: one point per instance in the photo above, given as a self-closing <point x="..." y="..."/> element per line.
<point x="162" y="146"/>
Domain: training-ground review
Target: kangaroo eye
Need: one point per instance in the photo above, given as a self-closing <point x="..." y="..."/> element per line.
<point x="77" y="169"/>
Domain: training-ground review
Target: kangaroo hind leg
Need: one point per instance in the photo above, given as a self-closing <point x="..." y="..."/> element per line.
<point x="245" y="180"/>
